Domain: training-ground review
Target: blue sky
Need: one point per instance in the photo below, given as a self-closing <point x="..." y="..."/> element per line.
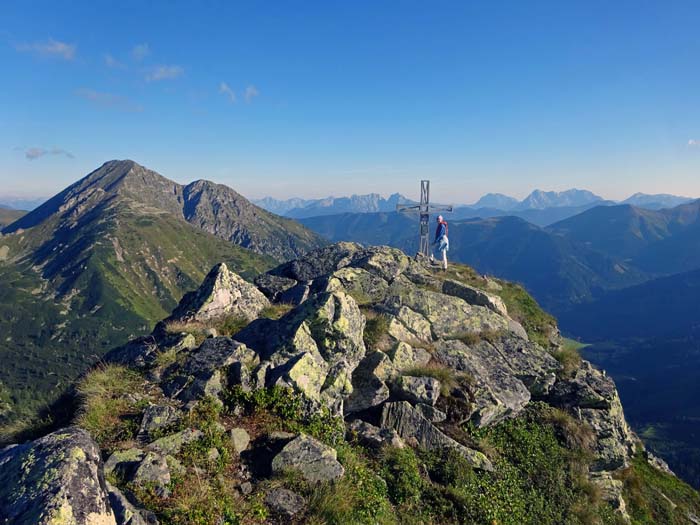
<point x="305" y="98"/>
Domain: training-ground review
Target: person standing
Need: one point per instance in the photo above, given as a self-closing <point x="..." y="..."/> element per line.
<point x="441" y="241"/>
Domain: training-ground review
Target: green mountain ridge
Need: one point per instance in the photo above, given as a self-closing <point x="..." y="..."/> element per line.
<point x="109" y="256"/>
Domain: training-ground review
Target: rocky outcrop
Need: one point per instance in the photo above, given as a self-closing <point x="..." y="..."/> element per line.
<point x="54" y="480"/>
<point x="223" y="293"/>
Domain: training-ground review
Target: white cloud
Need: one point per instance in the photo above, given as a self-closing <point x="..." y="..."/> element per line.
<point x="250" y="93"/>
<point x="108" y="100"/>
<point x="164" y="73"/>
<point x="112" y="62"/>
<point x="35" y="153"/>
<point x="225" y="89"/>
<point x="140" y="51"/>
<point x="50" y="48"/>
<point x="694" y="143"/>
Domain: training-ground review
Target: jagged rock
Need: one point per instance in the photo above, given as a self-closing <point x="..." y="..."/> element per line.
<point x="374" y="437"/>
<point x="658" y="463"/>
<point x="155" y="418"/>
<point x="611" y="491"/>
<point x="431" y="413"/>
<point x="143" y="467"/>
<point x="408" y="326"/>
<point x="361" y="285"/>
<point x="410" y="423"/>
<point x="56" y="479"/>
<point x="273" y="285"/>
<point x="304" y="373"/>
<point x="592" y="397"/>
<point x="497" y="392"/>
<point x="323" y="262"/>
<point x="404" y="356"/>
<point x="425" y="390"/>
<point x="125" y="513"/>
<point x="240" y="439"/>
<point x="515" y="327"/>
<point x="152" y="471"/>
<point x="223" y="293"/>
<point x="143" y="352"/>
<point x="173" y="443"/>
<point x="448" y="316"/>
<point x="216" y="362"/>
<point x="314" y="460"/>
<point x="295" y="295"/>
<point x="474" y="296"/>
<point x="369" y="383"/>
<point x="284" y="502"/>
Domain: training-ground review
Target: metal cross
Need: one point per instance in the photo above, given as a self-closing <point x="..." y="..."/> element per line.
<point x="424" y="208"/>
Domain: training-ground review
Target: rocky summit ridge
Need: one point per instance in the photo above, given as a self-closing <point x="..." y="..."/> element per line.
<point x="337" y="384"/>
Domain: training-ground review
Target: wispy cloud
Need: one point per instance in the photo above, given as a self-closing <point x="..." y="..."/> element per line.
<point x="108" y="100"/>
<point x="164" y="73"/>
<point x="694" y="143"/>
<point x="112" y="62"/>
<point x="225" y="89"/>
<point x="50" y="48"/>
<point x="250" y="93"/>
<point x="140" y="51"/>
<point x="35" y="153"/>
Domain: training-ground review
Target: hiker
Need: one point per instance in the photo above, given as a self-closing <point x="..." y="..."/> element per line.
<point x="441" y="240"/>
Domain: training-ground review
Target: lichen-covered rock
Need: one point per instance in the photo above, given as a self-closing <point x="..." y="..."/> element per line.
<point x="54" y="480"/>
<point x="156" y="418"/>
<point x="431" y="413"/>
<point x="474" y="296"/>
<point x="172" y="444"/>
<point x="361" y="285"/>
<point x="143" y="352"/>
<point x="284" y="502"/>
<point x="240" y="439"/>
<point x="152" y="471"/>
<point x="448" y="316"/>
<point x="125" y="513"/>
<point x="373" y="437"/>
<point x="592" y="397"/>
<point x="404" y="356"/>
<point x="369" y="382"/>
<point x="417" y="389"/>
<point x="223" y="293"/>
<point x="208" y="368"/>
<point x="273" y="285"/>
<point x="312" y="459"/>
<point x="408" y="326"/>
<point x="410" y="424"/>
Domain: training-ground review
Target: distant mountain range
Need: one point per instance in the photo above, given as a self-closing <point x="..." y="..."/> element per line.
<point x="20" y="203"/>
<point x="540" y="207"/>
<point x="300" y="208"/>
<point x="109" y="256"/>
<point x="9" y="215"/>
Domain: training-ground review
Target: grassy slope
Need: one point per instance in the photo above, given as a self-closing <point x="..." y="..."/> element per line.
<point x="50" y="339"/>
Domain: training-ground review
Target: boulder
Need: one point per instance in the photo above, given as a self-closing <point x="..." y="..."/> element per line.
<point x="223" y="293"/>
<point x="409" y="326"/>
<point x="125" y="513"/>
<point x="172" y="444"/>
<point x="209" y="368"/>
<point x="56" y="479"/>
<point x="361" y="285"/>
<point x="410" y="424"/>
<point x="315" y="461"/>
<point x="273" y="285"/>
<point x="373" y="437"/>
<point x="240" y="439"/>
<point x="142" y="352"/>
<point x="404" y="356"/>
<point x="474" y="296"/>
<point x="415" y="390"/>
<point x="152" y="471"/>
<point x="431" y="413"/>
<point x="319" y="263"/>
<point x="156" y="418"/>
<point x="591" y="396"/>
<point x="369" y="382"/>
<point x="284" y="502"/>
